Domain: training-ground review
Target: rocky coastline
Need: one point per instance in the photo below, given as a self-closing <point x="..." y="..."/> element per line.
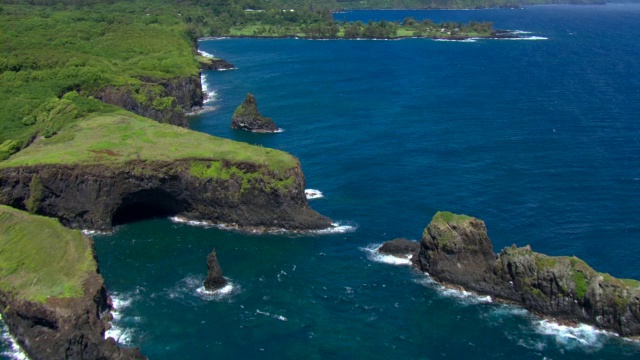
<point x="455" y="250"/>
<point x="98" y="196"/>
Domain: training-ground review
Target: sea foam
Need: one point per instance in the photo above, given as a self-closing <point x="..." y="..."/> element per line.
<point x="372" y="254"/>
<point x="580" y="336"/>
<point x="205" y="54"/>
<point x="190" y="290"/>
<point x="16" y="352"/>
<point x="118" y="331"/>
<point x="209" y="94"/>
<point x="313" y="194"/>
<point x="465" y="297"/>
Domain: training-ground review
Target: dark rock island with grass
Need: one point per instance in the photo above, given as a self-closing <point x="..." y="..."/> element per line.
<point x="456" y="250"/>
<point x="247" y="117"/>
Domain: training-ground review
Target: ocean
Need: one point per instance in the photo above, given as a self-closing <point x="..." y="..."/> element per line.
<point x="538" y="137"/>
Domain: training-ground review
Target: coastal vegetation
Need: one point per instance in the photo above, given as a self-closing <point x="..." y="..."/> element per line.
<point x="39" y="258"/>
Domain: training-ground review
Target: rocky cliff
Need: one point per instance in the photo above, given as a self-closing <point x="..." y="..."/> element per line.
<point x="163" y="100"/>
<point x="207" y="63"/>
<point x="456" y="250"/>
<point x="54" y="309"/>
<point x="64" y="328"/>
<point x="247" y="117"/>
<point x="97" y="196"/>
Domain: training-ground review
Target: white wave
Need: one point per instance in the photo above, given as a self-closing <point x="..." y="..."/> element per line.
<point x="582" y="335"/>
<point x="275" y="316"/>
<point x="465" y="297"/>
<point x="118" y="331"/>
<point x="470" y="40"/>
<point x="209" y="95"/>
<point x="374" y="255"/>
<point x="313" y="194"/>
<point x="16" y="352"/>
<point x="191" y="289"/>
<point x="206" y="54"/>
<point x="201" y="110"/>
<point x="517" y="32"/>
<point x="335" y="228"/>
<point x="525" y="38"/>
<point x="95" y="232"/>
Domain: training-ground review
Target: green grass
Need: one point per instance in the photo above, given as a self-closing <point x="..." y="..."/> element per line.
<point x="39" y="258"/>
<point x="119" y="137"/>
<point x="447" y="217"/>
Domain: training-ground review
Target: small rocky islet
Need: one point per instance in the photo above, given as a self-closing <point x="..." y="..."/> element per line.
<point x="247" y="117"/>
<point x="455" y="250"/>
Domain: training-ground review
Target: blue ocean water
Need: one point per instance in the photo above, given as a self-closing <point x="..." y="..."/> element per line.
<point x="539" y="138"/>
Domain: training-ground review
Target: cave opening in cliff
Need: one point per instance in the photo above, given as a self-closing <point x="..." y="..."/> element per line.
<point x="146" y="204"/>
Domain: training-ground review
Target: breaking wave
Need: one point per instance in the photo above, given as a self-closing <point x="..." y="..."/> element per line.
<point x="464" y="296"/>
<point x="335" y="228"/>
<point x="313" y="194"/>
<point x="191" y="290"/>
<point x="372" y="254"/>
<point x="16" y="352"/>
<point x="119" y="331"/>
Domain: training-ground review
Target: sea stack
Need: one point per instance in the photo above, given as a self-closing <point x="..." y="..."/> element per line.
<point x="214" y="280"/>
<point x="247" y="117"/>
<point x="456" y="250"/>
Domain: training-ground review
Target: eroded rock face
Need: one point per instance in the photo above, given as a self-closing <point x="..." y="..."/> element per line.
<point x="216" y="64"/>
<point x="163" y="100"/>
<point x="214" y="280"/>
<point x="65" y="328"/>
<point x="401" y="248"/>
<point x="455" y="249"/>
<point x="247" y="117"/>
<point x="92" y="196"/>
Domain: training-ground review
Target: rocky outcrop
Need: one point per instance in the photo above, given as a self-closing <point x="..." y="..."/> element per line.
<point x="214" y="280"/>
<point x="65" y="328"/>
<point x="164" y="100"/>
<point x="247" y="117"/>
<point x="215" y="64"/>
<point x="97" y="196"/>
<point x="401" y="248"/>
<point x="456" y="250"/>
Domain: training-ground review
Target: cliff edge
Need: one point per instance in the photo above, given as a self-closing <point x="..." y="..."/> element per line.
<point x="52" y="298"/>
<point x="105" y="169"/>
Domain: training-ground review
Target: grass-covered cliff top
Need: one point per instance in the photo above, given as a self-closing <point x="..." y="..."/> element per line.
<point x="119" y="136"/>
<point x="39" y="258"/>
<point x="445" y="217"/>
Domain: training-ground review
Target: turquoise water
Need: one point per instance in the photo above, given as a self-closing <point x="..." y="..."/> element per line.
<point x="539" y="138"/>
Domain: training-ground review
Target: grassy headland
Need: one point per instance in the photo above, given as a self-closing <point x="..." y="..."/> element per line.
<point x="118" y="136"/>
<point x="39" y="258"/>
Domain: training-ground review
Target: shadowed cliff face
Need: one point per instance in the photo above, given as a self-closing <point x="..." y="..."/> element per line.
<point x="163" y="100"/>
<point x="456" y="250"/>
<point x="99" y="196"/>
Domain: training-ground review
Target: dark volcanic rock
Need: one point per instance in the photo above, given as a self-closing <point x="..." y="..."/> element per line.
<point x="401" y="248"/>
<point x="163" y="100"/>
<point x="247" y="117"/>
<point x="70" y="328"/>
<point x="455" y="249"/>
<point x="214" y="280"/>
<point x="216" y="64"/>
<point x="96" y="196"/>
